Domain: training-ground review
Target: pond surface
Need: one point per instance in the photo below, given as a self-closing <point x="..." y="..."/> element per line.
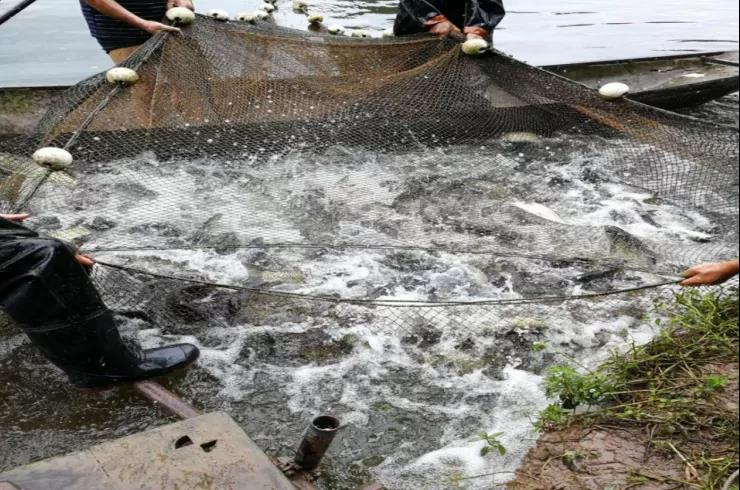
<point x="48" y="43"/>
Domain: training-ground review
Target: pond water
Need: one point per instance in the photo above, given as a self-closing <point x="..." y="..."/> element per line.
<point x="48" y="43"/>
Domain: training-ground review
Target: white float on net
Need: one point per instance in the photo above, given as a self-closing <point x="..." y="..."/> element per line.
<point x="219" y="14"/>
<point x="360" y="33"/>
<point x="181" y="15"/>
<point x="388" y="33"/>
<point x="474" y="47"/>
<point x="315" y="19"/>
<point x="245" y="17"/>
<point x="336" y="30"/>
<point x="261" y="15"/>
<point x="299" y="5"/>
<point x="267" y="7"/>
<point x="121" y="74"/>
<point x="53" y="158"/>
<point x="614" y="90"/>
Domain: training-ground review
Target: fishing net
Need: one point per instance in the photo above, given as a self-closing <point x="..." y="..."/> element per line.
<point x="263" y="175"/>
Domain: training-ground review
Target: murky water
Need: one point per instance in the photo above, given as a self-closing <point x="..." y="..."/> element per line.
<point x="412" y="394"/>
<point x="48" y="43"/>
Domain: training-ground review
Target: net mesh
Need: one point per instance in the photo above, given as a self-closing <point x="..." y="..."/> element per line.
<point x="273" y="165"/>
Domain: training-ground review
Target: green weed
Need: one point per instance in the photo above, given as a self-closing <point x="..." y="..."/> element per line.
<point x="492" y="443"/>
<point x="667" y="384"/>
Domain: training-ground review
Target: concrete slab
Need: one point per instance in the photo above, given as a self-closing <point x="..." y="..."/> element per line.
<point x="206" y="452"/>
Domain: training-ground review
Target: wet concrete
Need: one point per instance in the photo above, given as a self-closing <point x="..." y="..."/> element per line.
<point x="205" y="452"/>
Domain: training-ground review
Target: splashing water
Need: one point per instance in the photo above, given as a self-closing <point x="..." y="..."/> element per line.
<point x="413" y="386"/>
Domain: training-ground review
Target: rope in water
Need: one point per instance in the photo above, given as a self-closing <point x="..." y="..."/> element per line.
<point x="390" y="302"/>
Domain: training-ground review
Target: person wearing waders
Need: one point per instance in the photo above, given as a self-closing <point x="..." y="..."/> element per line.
<point x="46" y="290"/>
<point x="476" y="19"/>
<point x="121" y="26"/>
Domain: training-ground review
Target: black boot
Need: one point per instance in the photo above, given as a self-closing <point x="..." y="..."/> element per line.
<point x="50" y="296"/>
<point x="92" y="353"/>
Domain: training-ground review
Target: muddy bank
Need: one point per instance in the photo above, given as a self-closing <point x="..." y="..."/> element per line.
<point x="675" y="429"/>
<point x="619" y="458"/>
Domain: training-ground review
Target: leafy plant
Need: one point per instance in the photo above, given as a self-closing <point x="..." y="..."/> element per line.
<point x="574" y="388"/>
<point x="492" y="443"/>
<point x="552" y="416"/>
<point x="664" y="386"/>
<point x="714" y="383"/>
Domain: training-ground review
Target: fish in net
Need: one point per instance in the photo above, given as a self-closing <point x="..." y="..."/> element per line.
<point x="270" y="162"/>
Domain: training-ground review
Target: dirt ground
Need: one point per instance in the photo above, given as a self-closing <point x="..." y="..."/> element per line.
<point x="620" y="458"/>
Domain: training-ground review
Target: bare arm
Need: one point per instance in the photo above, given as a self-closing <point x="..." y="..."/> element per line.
<point x="16" y="218"/>
<point x="114" y="10"/>
<point x="710" y="274"/>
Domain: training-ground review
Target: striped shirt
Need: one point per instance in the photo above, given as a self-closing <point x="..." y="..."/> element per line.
<point x="113" y="34"/>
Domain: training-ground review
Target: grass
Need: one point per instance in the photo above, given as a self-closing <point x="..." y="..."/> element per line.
<point x="16" y="101"/>
<point x="671" y="386"/>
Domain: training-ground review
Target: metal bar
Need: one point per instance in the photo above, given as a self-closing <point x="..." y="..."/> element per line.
<point x="15" y="10"/>
<point x="316" y="441"/>
<point x="164" y="397"/>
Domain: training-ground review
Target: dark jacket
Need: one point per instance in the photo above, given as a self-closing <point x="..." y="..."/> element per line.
<point x="11" y="229"/>
<point x="414" y="14"/>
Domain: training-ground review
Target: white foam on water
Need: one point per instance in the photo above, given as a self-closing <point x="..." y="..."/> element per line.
<point x="446" y="374"/>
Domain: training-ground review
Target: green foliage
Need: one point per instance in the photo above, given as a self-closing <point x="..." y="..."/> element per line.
<point x="552" y="416"/>
<point x="574" y="388"/>
<point x="16" y="101"/>
<point x="714" y="382"/>
<point x="492" y="443"/>
<point x="668" y="384"/>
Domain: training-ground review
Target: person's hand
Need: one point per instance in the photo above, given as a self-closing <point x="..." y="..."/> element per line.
<point x="17" y="218"/>
<point x="85" y="260"/>
<point x="441" y="26"/>
<point x="474" y="32"/>
<point x="443" y="29"/>
<point x="180" y="3"/>
<point x="710" y="274"/>
<point x="153" y="27"/>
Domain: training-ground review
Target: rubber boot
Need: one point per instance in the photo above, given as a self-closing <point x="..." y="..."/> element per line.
<point x="93" y="355"/>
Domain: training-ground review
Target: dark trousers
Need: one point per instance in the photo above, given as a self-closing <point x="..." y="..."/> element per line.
<point x="43" y="287"/>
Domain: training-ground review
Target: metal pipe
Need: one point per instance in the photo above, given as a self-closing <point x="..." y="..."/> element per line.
<point x="12" y="11"/>
<point x="168" y="400"/>
<point x="316" y="441"/>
